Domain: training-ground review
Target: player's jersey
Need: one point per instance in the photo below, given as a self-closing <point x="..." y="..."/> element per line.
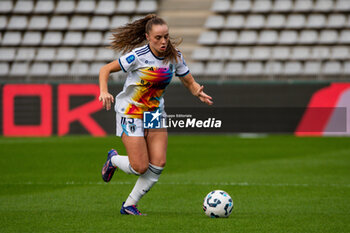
<point x="147" y="79"/>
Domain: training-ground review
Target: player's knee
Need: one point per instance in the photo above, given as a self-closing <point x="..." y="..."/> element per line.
<point x="140" y="168"/>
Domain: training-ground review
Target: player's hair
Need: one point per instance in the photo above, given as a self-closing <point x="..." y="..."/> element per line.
<point x="133" y="35"/>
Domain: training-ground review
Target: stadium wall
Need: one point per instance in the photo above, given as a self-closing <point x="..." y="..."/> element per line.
<point x="303" y="109"/>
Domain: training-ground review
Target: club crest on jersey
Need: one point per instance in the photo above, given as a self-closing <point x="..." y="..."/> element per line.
<point x="130" y="59"/>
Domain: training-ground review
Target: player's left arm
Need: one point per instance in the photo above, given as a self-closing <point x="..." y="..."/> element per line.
<point x="196" y="89"/>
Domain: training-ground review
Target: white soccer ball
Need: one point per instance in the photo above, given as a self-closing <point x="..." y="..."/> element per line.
<point x="218" y="204"/>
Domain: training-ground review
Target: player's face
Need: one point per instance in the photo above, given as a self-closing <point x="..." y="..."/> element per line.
<point x="158" y="38"/>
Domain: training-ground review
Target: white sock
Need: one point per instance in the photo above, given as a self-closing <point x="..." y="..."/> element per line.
<point x="122" y="162"/>
<point x="143" y="184"/>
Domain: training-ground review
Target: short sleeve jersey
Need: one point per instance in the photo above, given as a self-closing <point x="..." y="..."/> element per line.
<point x="147" y="78"/>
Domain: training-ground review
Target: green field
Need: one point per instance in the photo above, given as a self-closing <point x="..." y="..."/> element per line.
<point x="277" y="183"/>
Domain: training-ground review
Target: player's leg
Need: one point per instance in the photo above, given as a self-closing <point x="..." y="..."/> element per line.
<point x="157" y="140"/>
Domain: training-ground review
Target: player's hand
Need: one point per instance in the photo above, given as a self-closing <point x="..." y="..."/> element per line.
<point x="107" y="100"/>
<point x="204" y="97"/>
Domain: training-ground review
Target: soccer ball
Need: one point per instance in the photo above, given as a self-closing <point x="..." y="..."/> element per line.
<point x="218" y="204"/>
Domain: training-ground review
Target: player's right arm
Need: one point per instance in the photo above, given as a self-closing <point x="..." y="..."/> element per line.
<point x="106" y="98"/>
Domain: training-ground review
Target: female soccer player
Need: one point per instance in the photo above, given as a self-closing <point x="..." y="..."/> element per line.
<point x="149" y="69"/>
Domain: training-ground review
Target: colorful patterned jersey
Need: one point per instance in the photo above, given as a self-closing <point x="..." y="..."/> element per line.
<point x="147" y="79"/>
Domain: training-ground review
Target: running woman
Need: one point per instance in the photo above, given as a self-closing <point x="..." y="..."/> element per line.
<point x="150" y="62"/>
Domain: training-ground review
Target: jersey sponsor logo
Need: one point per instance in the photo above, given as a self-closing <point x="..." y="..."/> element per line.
<point x="130" y="59"/>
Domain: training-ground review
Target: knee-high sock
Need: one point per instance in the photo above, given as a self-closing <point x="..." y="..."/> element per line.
<point x="122" y="162"/>
<point x="143" y="184"/>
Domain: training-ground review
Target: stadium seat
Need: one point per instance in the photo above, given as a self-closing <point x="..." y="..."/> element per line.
<point x="288" y="37"/>
<point x="11" y="38"/>
<point x="17" y="23"/>
<point x="273" y="68"/>
<point x="240" y="53"/>
<point x="7" y="54"/>
<point x="45" y="54"/>
<point x="241" y="6"/>
<point x="227" y="37"/>
<point x="221" y="53"/>
<point x="65" y="54"/>
<point x="344" y="37"/>
<point x="95" y="67"/>
<point x="332" y="68"/>
<point x="280" y="53"/>
<point x="247" y="37"/>
<point x="207" y="38"/>
<point x="118" y="21"/>
<point x="6" y="6"/>
<point x="99" y="23"/>
<point x="316" y="21"/>
<point x="107" y="38"/>
<point x="84" y="6"/>
<point x="300" y="53"/>
<point x="85" y="54"/>
<point x="308" y="37"/>
<point x="105" y="7"/>
<point x="292" y="68"/>
<point x="73" y="38"/>
<point x="3" y="22"/>
<point x="303" y="5"/>
<point x="196" y="68"/>
<point x="328" y="37"/>
<point x="320" y="53"/>
<point x="38" y="23"/>
<point x="147" y="6"/>
<point x="342" y="5"/>
<point x="19" y="69"/>
<point x="221" y="6"/>
<point x="261" y="53"/>
<point x="262" y="6"/>
<point x="25" y="54"/>
<point x="52" y="38"/>
<point x="336" y="21"/>
<point x="58" y="23"/>
<point x="215" y="22"/>
<point x="104" y="54"/>
<point x="233" y="68"/>
<point x="283" y="6"/>
<point x="65" y="6"/>
<point x="347" y="67"/>
<point x="126" y="6"/>
<point x="275" y="21"/>
<point x="235" y="21"/>
<point x="79" y="69"/>
<point x="4" y="68"/>
<point x="201" y="54"/>
<point x="39" y="69"/>
<point x="253" y="68"/>
<point x="214" y="68"/>
<point x="268" y="37"/>
<point x="23" y="6"/>
<point x="92" y="38"/>
<point x="44" y="7"/>
<point x="59" y="69"/>
<point x="255" y="21"/>
<point x="323" y="5"/>
<point x="31" y="38"/>
<point x="295" y="21"/>
<point x="79" y="22"/>
<point x="340" y="53"/>
<point x="312" y="68"/>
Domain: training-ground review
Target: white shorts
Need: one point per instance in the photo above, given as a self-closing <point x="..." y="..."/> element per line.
<point x="131" y="126"/>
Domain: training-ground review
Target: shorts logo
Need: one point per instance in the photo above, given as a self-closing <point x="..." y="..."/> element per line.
<point x="130" y="59"/>
<point x="132" y="128"/>
<point x="151" y="120"/>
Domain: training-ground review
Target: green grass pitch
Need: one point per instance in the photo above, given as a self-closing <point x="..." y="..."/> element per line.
<point x="277" y="183"/>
